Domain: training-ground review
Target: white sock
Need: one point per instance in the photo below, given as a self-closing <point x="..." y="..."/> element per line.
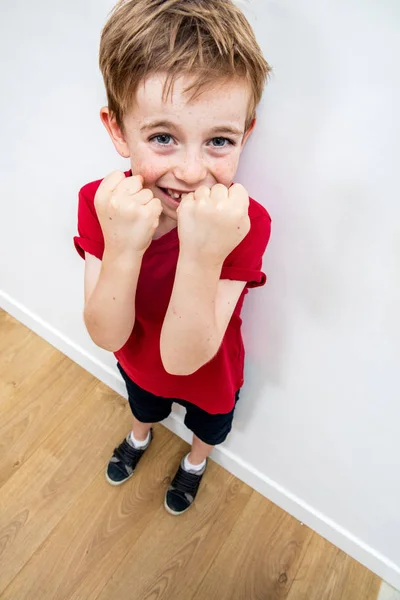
<point x="187" y="465"/>
<point x="138" y="443"/>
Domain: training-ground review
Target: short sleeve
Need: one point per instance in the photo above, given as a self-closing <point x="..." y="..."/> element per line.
<point x="90" y="236"/>
<point x="245" y="261"/>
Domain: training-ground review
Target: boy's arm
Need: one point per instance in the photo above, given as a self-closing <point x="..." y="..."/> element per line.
<point x="110" y="290"/>
<point x="211" y="223"/>
<point x="199" y="311"/>
<point x="128" y="216"/>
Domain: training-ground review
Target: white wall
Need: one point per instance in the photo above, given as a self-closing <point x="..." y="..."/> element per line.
<point x="317" y="428"/>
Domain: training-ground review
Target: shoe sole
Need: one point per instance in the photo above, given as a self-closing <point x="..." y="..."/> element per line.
<point x="174" y="512"/>
<point x="117" y="483"/>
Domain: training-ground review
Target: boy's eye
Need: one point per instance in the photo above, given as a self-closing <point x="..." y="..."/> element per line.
<point x="162" y="138"/>
<point x="220" y="142"/>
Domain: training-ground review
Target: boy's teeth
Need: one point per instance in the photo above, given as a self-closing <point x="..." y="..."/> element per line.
<point x="173" y="194"/>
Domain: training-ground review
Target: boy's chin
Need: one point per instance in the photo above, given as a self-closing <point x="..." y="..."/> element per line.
<point x="170" y="213"/>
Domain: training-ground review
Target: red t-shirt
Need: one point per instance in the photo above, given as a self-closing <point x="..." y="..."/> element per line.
<point x="214" y="385"/>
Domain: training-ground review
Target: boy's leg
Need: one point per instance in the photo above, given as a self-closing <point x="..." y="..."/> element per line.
<point x="140" y="430"/>
<point x="208" y="431"/>
<point x="199" y="451"/>
<point x="146" y="410"/>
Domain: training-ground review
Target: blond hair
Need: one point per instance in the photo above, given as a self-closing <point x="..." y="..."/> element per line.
<point x="206" y="39"/>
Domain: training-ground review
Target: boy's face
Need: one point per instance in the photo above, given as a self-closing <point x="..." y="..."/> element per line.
<point x="179" y="145"/>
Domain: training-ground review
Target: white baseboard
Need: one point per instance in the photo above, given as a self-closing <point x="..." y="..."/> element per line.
<point x="289" y="502"/>
<point x="388" y="593"/>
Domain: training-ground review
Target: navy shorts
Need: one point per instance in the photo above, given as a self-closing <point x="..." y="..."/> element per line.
<point x="148" y="408"/>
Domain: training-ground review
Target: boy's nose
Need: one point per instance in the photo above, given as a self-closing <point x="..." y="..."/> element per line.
<point x="191" y="171"/>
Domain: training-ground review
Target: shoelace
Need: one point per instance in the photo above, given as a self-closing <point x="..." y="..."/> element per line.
<point x="185" y="482"/>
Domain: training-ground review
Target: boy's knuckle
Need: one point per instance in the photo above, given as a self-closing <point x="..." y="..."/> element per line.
<point x="202" y="192"/>
<point x="113" y="180"/>
<point x="219" y="188"/>
<point x="145" y="194"/>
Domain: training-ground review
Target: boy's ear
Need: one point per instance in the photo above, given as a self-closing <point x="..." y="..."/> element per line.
<point x="114" y="131"/>
<point x="248" y="132"/>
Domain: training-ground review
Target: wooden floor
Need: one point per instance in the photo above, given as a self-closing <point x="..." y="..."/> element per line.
<point x="66" y="534"/>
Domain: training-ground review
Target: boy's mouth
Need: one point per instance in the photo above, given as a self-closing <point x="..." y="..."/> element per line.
<point x="174" y="194"/>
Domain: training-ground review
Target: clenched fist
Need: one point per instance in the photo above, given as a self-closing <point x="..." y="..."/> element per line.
<point x="128" y="214"/>
<point x="212" y="222"/>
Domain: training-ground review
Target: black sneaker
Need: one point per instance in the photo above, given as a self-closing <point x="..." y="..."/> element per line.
<point x="183" y="490"/>
<point x="124" y="460"/>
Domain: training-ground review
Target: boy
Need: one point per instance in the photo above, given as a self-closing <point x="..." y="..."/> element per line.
<point x="172" y="246"/>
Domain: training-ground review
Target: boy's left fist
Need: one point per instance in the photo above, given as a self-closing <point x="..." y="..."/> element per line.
<point x="212" y="222"/>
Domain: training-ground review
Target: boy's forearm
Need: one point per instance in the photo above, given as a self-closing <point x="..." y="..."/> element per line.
<point x="110" y="310"/>
<point x="190" y="337"/>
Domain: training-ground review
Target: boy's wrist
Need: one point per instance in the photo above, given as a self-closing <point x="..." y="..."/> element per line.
<point x="191" y="262"/>
<point x="123" y="257"/>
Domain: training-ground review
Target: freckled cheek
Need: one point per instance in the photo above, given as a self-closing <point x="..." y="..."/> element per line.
<point x="149" y="165"/>
<point x="224" y="170"/>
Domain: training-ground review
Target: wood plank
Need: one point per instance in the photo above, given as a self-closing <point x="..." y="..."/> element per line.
<point x="327" y="573"/>
<point x="260" y="558"/>
<point x="81" y="553"/>
<point x="32" y="410"/>
<point x="172" y="557"/>
<point x="36" y="498"/>
<point x="12" y="332"/>
<point x="12" y="342"/>
<point x="22" y="353"/>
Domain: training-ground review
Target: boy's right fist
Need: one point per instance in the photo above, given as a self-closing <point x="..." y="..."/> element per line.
<point x="128" y="214"/>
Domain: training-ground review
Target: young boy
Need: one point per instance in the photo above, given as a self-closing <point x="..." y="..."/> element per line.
<point x="172" y="246"/>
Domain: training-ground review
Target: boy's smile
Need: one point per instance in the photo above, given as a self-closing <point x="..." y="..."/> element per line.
<point x="178" y="145"/>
